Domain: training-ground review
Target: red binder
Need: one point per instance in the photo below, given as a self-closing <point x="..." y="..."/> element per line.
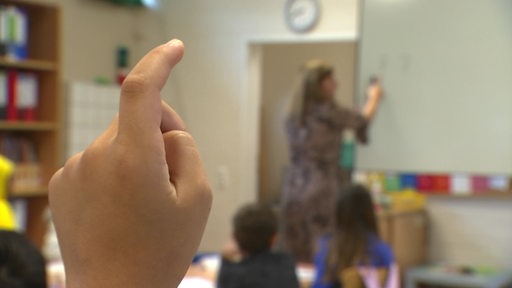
<point x="27" y="96"/>
<point x="12" y="93"/>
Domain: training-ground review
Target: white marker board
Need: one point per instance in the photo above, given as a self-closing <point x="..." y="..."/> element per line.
<point x="447" y="71"/>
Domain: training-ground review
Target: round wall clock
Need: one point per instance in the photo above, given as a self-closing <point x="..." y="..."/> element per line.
<point x="302" y="15"/>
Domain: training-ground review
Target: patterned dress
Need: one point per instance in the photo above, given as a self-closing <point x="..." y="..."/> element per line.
<point x="314" y="176"/>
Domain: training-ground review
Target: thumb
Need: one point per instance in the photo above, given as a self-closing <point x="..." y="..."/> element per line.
<point x="186" y="169"/>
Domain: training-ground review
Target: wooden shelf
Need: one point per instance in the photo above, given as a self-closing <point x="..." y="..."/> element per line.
<point x="44" y="56"/>
<point x="398" y="213"/>
<point x="33" y="192"/>
<point x="35" y="65"/>
<point x="479" y="195"/>
<point x="27" y="2"/>
<point x="27" y="126"/>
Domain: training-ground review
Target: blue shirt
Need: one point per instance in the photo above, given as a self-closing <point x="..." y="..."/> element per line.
<point x="380" y="254"/>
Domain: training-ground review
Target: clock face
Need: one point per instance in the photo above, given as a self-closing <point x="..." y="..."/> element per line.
<point x="302" y="15"/>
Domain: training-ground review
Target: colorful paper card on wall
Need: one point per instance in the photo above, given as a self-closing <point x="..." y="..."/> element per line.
<point x="499" y="183"/>
<point x="392" y="182"/>
<point x="441" y="183"/>
<point x="480" y="183"/>
<point x="425" y="183"/>
<point x="408" y="181"/>
<point x="460" y="184"/>
<point x="376" y="181"/>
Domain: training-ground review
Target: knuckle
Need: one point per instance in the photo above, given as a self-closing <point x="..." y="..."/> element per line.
<point x="54" y="184"/>
<point x="134" y="84"/>
<point x="204" y="193"/>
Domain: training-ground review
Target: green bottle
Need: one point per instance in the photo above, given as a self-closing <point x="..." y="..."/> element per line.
<point x="347" y="154"/>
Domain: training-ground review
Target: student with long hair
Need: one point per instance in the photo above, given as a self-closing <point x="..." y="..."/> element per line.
<point x="355" y="241"/>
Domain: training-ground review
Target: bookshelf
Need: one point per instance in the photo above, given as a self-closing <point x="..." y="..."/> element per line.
<point x="43" y="61"/>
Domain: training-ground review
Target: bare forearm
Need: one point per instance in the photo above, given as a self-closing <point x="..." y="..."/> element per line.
<point x="370" y="107"/>
<point x="374" y="94"/>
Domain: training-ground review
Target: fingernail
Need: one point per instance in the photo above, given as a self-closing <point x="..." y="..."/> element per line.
<point x="175" y="42"/>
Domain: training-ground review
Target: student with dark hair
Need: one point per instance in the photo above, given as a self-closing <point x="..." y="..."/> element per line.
<point x="354" y="242"/>
<point x="248" y="260"/>
<point x="21" y="264"/>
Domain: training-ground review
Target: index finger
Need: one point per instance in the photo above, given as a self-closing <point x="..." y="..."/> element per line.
<point x="140" y="112"/>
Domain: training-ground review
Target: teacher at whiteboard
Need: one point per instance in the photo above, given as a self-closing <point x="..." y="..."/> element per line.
<point x="314" y="127"/>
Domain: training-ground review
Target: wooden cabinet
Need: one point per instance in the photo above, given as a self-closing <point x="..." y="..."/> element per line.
<point x="406" y="233"/>
<point x="44" y="131"/>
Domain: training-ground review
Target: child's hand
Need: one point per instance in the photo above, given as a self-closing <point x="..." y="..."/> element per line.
<point x="130" y="210"/>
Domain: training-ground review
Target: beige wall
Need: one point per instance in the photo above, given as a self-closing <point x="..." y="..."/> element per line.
<point x="280" y="73"/>
<point x="471" y="232"/>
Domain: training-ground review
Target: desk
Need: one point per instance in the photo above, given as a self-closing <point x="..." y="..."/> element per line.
<point x="442" y="277"/>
